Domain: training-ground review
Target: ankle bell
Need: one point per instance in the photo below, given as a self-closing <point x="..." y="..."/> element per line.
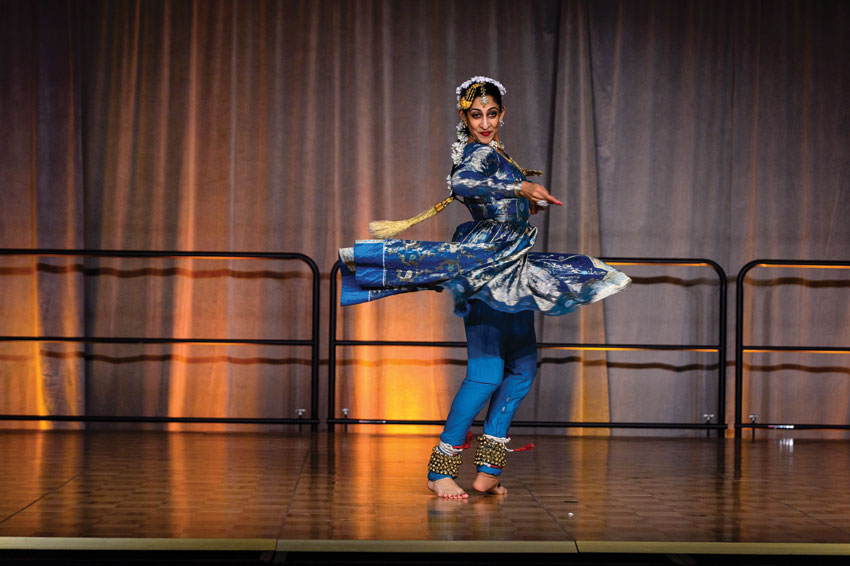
<point x="490" y="453"/>
<point x="443" y="464"/>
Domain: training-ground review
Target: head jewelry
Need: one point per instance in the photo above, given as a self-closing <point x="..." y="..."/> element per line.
<point x="476" y="84"/>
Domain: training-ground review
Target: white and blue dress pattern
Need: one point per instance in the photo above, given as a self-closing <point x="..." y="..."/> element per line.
<point x="489" y="257"/>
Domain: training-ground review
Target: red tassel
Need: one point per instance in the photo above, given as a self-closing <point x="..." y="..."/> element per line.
<point x="467" y="442"/>
<point x="528" y="446"/>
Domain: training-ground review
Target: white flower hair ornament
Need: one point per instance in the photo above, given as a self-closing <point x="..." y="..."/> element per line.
<point x="478" y="79"/>
<point x="457" y="147"/>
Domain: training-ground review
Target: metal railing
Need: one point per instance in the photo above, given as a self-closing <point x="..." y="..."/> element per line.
<point x="313" y="342"/>
<point x="719" y="348"/>
<point x="742" y="349"/>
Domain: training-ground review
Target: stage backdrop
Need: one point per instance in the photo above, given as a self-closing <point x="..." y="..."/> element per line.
<point x="670" y="129"/>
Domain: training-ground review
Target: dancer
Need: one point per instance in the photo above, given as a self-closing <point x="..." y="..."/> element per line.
<point x="496" y="283"/>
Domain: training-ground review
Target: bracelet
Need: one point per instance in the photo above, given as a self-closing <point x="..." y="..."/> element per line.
<point x="517" y="188"/>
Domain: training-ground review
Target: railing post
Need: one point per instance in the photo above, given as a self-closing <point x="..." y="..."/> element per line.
<point x="332" y="345"/>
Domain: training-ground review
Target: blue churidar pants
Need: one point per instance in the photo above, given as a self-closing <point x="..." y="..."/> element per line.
<point x="502" y="352"/>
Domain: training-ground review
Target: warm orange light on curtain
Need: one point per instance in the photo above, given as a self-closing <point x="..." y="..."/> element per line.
<point x="795" y="351"/>
<point x="38" y="371"/>
<point x="805" y="266"/>
<point x="396" y="383"/>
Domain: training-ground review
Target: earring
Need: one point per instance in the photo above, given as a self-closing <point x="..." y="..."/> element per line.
<point x="501" y="122"/>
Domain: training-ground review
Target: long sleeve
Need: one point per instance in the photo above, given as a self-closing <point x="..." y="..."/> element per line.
<point x="475" y="176"/>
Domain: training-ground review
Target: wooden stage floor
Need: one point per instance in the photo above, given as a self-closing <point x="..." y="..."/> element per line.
<point x="319" y="492"/>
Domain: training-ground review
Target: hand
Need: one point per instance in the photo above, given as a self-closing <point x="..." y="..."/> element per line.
<point x="534" y="192"/>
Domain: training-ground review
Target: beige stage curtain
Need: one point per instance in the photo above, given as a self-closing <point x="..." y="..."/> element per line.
<point x="41" y="179"/>
<point x="671" y="129"/>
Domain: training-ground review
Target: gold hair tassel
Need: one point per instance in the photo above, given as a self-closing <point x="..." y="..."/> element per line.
<point x="383" y="229"/>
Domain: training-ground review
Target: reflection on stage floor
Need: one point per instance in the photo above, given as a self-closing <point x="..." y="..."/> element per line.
<point x="355" y="491"/>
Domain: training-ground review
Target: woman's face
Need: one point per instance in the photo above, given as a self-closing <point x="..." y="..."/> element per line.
<point x="483" y="120"/>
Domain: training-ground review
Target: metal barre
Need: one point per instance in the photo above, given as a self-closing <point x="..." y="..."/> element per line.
<point x="741" y="348"/>
<point x="719" y="349"/>
<point x="313" y="342"/>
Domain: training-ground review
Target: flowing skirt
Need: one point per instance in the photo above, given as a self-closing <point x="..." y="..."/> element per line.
<point x="487" y="260"/>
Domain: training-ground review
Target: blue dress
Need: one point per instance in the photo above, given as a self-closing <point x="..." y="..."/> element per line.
<point x="489" y="257"/>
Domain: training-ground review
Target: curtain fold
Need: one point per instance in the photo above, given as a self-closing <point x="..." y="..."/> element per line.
<point x="42" y="189"/>
<point x="712" y="129"/>
<point x="577" y="384"/>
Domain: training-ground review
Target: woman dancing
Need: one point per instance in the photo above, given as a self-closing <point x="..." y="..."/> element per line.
<point x="496" y="282"/>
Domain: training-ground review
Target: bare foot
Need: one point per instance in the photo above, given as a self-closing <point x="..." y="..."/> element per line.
<point x="446" y="487"/>
<point x="487" y="483"/>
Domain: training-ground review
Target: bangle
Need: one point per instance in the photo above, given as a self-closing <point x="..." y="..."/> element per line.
<point x="517" y="186"/>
